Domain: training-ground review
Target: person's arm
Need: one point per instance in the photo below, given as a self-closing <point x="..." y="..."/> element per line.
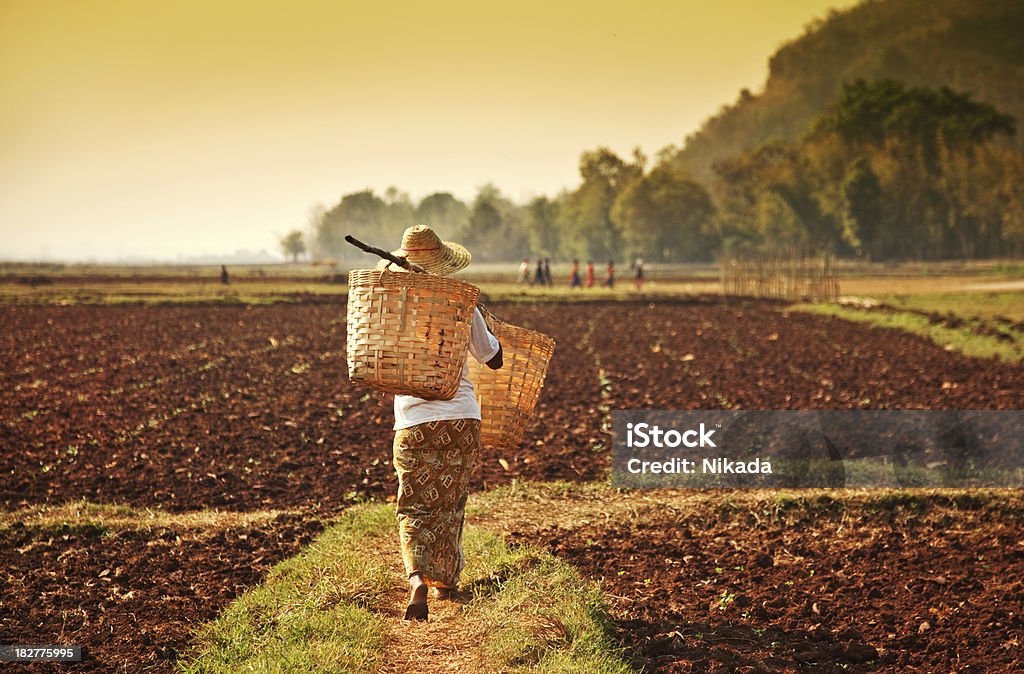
<point x="495" y="363"/>
<point x="483" y="343"/>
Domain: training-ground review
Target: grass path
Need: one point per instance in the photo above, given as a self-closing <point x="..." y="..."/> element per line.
<point x="443" y="644"/>
<point x="338" y="607"/>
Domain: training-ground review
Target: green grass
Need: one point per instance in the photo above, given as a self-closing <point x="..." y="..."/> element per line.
<point x="169" y="292"/>
<point x="320" y="611"/>
<point x="535" y="612"/>
<point x="624" y="291"/>
<point x="82" y="514"/>
<point x="978" y="305"/>
<point x="313" y="613"/>
<point x="1009" y="268"/>
<point x="525" y="492"/>
<point x="964" y="339"/>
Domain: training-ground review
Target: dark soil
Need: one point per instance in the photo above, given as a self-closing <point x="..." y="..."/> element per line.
<point x="249" y="407"/>
<point x="876" y="584"/>
<point x="130" y="597"/>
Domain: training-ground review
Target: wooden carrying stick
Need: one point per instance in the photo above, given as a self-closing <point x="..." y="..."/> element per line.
<point x="400" y="261"/>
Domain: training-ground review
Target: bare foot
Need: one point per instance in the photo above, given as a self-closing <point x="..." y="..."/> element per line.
<point x="417" y="609"/>
<point x="443" y="593"/>
<point x="417" y="589"/>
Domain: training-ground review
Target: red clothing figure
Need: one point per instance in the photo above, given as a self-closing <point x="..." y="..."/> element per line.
<point x="590" y="274"/>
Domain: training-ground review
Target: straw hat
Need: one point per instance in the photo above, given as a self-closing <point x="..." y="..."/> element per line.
<point x="422" y="246"/>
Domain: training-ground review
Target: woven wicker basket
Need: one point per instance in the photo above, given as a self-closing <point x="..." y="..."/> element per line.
<point x="408" y="333"/>
<point x="509" y="394"/>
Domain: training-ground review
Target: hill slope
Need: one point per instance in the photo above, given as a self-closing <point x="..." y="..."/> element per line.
<point x="967" y="45"/>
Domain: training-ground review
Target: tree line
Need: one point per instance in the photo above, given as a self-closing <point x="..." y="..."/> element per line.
<point x="887" y="172"/>
<point x="618" y="211"/>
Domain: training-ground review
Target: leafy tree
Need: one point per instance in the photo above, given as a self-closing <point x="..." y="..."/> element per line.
<point x="585" y="215"/>
<point x="887" y="170"/>
<point x="484" y="222"/>
<point x="445" y="214"/>
<point x="906" y="230"/>
<point x="984" y="200"/>
<point x="935" y="208"/>
<point x="495" y="229"/>
<point x="293" y="244"/>
<point x="1009" y="200"/>
<point x="360" y="214"/>
<point x="770" y="198"/>
<point x="778" y="224"/>
<point x="874" y="112"/>
<point x="398" y="214"/>
<point x="314" y="223"/>
<point x="665" y="216"/>
<point x="542" y="231"/>
<point x="861" y="206"/>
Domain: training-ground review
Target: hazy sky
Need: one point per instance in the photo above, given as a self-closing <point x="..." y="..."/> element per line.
<point x="160" y="129"/>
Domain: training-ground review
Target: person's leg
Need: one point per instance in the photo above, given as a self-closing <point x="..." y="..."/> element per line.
<point x="434" y="461"/>
<point x="417" y="590"/>
<point x="467" y="432"/>
<point x="407" y="453"/>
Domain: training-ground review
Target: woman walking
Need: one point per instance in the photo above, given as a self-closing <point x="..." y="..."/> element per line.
<point x="638" y="273"/>
<point x="609" y="274"/>
<point x="436" y="447"/>
<point x="574" y="275"/>
<point x="538" y="279"/>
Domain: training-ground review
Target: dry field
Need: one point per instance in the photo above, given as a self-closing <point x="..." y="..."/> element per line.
<point x="186" y="408"/>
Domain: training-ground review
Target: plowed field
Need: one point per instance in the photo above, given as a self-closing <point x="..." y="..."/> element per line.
<point x="249" y="408"/>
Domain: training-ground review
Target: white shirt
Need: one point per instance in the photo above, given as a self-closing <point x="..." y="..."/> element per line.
<point x="410" y="411"/>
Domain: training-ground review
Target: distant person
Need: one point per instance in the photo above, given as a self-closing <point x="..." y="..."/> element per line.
<point x="524" y="272"/>
<point x="590" y="274"/>
<point x="538" y="278"/>
<point x="547" y="273"/>
<point x="638" y="273"/>
<point x="574" y="275"/>
<point x="224" y="275"/>
<point x="609" y="275"/>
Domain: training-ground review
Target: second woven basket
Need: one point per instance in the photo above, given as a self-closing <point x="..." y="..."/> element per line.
<point x="509" y="394"/>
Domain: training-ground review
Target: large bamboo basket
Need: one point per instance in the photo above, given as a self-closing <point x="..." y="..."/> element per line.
<point x="508" y="395"/>
<point x="408" y="333"/>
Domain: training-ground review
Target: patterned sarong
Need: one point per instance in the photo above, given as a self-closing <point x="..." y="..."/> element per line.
<point x="434" y="461"/>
